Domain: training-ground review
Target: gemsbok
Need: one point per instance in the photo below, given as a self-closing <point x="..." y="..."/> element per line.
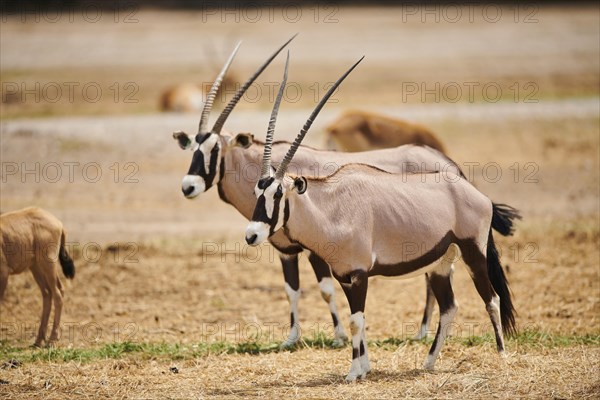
<point x="34" y="239"/>
<point x="370" y="216"/>
<point x="223" y="159"/>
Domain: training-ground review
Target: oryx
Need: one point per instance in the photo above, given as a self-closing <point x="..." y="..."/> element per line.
<point x="369" y="216"/>
<point x="222" y="159"/>
<point x="34" y="239"/>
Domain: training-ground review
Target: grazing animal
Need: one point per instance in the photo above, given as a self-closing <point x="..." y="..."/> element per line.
<point x="34" y="239"/>
<point x="371" y="218"/>
<point x="188" y="97"/>
<point x="361" y="131"/>
<point x="224" y="160"/>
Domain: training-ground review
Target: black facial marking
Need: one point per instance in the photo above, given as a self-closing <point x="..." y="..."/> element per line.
<point x="260" y="210"/>
<point x="264" y="183"/>
<point x="200" y="138"/>
<point x="275" y="218"/>
<point x="197" y="165"/>
<point x="212" y="168"/>
<point x="278" y="193"/>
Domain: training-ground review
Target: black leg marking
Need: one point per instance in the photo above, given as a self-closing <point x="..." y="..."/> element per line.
<point x="335" y="320"/>
<point x="291" y="274"/>
<point x="320" y="267"/>
<point x="441" y="286"/>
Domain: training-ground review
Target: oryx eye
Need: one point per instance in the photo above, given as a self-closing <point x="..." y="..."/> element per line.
<point x="279" y="192"/>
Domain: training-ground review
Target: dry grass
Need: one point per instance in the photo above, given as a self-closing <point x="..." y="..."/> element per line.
<point x="463" y="372"/>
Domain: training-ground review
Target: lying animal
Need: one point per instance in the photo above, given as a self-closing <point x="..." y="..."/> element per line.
<point x="361" y="131"/>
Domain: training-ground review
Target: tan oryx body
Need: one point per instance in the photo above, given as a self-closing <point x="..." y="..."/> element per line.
<point x="226" y="160"/>
<point x="364" y="221"/>
<point x="34" y="239"/>
<point x="231" y="162"/>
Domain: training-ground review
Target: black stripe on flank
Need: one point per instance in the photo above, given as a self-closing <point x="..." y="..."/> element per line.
<point x="421" y="260"/>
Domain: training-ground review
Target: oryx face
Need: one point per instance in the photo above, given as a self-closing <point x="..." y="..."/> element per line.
<point x="272" y="208"/>
<point x="204" y="170"/>
<point x="208" y="146"/>
<point x="207" y="167"/>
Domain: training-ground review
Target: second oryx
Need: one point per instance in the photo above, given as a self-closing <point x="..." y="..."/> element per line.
<point x="369" y="215"/>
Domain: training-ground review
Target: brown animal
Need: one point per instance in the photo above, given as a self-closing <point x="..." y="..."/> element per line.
<point x="361" y="131"/>
<point x="189" y="97"/>
<point x="34" y="239"/>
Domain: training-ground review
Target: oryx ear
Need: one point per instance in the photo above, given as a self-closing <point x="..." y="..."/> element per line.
<point x="183" y="139"/>
<point x="300" y="184"/>
<point x="243" y="140"/>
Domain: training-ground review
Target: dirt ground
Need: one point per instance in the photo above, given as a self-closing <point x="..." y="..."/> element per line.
<point x="154" y="268"/>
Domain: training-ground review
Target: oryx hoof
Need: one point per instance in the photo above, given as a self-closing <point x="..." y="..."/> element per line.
<point x="340" y="340"/>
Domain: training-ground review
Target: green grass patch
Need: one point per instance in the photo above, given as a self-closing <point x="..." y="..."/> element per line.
<point x="178" y="351"/>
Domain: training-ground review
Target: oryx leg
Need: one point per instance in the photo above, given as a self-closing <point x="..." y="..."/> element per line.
<point x="427" y="312"/>
<point x="323" y="274"/>
<point x="441" y="285"/>
<point x="356" y="293"/>
<point x="46" y="305"/>
<point x="477" y="264"/>
<point x="291" y="275"/>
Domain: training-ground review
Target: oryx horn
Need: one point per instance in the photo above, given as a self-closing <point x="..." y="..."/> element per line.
<point x="210" y="97"/>
<point x="227" y="110"/>
<point x="266" y="165"/>
<point x="290" y="154"/>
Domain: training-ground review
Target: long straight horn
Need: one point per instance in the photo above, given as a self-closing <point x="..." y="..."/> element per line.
<point x="290" y="154"/>
<point x="225" y="113"/>
<point x="210" y="98"/>
<point x="266" y="165"/>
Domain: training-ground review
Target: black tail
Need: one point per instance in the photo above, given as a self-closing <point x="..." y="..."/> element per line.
<point x="65" y="260"/>
<point x="500" y="285"/>
<point x="503" y="217"/>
